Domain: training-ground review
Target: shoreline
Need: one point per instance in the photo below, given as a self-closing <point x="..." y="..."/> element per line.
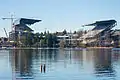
<point x="100" y="47"/>
<point x="79" y="48"/>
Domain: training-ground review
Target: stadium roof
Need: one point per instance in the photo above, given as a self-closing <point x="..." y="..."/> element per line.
<point x="102" y="24"/>
<point x="26" y="21"/>
<point x="23" y="23"/>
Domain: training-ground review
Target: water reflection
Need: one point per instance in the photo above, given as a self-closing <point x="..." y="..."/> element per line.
<point x="103" y="63"/>
<point x="21" y="63"/>
<point x="25" y="62"/>
<point x="57" y="64"/>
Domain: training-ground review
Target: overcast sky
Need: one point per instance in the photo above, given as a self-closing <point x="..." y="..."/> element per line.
<point x="57" y="15"/>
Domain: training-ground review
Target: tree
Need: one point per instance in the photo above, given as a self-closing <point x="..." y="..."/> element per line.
<point x="64" y="32"/>
<point x="37" y="37"/>
<point x="29" y="39"/>
<point x="74" y="32"/>
<point x="80" y="33"/>
<point x="49" y="40"/>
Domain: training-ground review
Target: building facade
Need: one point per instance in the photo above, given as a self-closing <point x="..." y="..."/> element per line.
<point x="100" y="34"/>
<point x="21" y="30"/>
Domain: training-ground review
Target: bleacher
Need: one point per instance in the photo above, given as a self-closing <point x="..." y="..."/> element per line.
<point x="100" y="28"/>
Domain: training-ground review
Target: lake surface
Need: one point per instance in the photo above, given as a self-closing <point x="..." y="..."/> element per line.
<point x="58" y="64"/>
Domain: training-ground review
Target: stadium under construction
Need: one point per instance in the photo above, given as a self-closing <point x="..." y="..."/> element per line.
<point x="101" y="35"/>
<point x="21" y="30"/>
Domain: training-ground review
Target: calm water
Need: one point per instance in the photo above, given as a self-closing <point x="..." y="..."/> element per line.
<point x="97" y="64"/>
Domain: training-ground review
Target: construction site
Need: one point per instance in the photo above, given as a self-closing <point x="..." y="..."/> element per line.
<point x="20" y="30"/>
<point x="102" y="35"/>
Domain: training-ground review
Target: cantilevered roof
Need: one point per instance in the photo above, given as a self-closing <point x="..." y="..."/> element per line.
<point x="102" y="24"/>
<point x="26" y="21"/>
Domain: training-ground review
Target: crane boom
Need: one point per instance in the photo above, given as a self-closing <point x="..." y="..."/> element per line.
<point x="9" y="18"/>
<point x="5" y="33"/>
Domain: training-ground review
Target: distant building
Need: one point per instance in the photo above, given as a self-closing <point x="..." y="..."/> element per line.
<point x="115" y="35"/>
<point x="69" y="39"/>
<point x="21" y="29"/>
<point x="100" y="34"/>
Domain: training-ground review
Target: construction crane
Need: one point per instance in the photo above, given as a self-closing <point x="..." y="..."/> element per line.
<point x="5" y="33"/>
<point x="10" y="18"/>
